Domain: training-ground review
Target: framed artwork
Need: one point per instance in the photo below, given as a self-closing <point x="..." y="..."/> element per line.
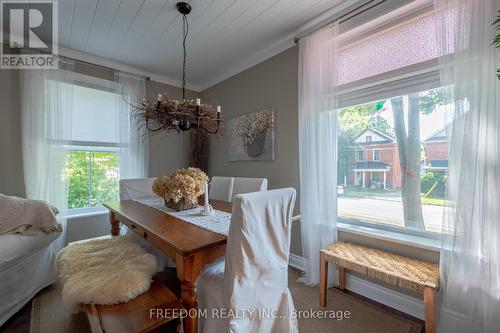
<point x="250" y="137"/>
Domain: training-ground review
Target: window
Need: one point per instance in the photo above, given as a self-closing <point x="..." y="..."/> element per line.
<point x="381" y="197"/>
<point x="93" y="177"/>
<point x="361" y="155"/>
<point x="93" y="164"/>
<point x="388" y="85"/>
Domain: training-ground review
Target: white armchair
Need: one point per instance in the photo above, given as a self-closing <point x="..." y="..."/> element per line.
<point x="254" y="273"/>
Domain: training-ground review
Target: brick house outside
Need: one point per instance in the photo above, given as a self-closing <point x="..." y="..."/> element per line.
<point x="436" y="152"/>
<point x="376" y="161"/>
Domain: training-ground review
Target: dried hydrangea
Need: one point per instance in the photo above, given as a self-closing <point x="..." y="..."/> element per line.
<point x="251" y="125"/>
<point x="186" y="184"/>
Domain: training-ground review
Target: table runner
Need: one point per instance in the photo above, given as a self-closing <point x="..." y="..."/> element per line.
<point x="217" y="222"/>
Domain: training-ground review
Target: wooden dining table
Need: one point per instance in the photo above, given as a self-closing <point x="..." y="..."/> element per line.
<point x="190" y="246"/>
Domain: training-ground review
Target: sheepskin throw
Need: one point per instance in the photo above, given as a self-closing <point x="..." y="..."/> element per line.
<point x="104" y="271"/>
<point x="27" y="217"/>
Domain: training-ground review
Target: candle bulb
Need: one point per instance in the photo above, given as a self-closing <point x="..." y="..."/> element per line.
<point x="198" y="101"/>
<point x="218" y="111"/>
<point x="160" y="97"/>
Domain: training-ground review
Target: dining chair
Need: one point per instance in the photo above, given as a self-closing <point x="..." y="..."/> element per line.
<point x="221" y="188"/>
<point x="254" y="272"/>
<point x="138" y="188"/>
<point x="142" y="188"/>
<point x="247" y="185"/>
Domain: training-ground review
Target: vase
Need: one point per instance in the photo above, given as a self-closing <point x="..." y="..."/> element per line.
<point x="255" y="147"/>
<point x="183" y="204"/>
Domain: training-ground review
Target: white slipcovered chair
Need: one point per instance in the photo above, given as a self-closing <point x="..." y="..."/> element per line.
<point x="221" y="188"/>
<point x="247" y="185"/>
<point x="254" y="273"/>
<point x="141" y="188"/>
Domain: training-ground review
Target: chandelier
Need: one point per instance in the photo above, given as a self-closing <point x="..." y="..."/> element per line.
<point x="184" y="114"/>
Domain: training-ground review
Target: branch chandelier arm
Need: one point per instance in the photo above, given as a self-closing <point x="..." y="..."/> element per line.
<point x="180" y="115"/>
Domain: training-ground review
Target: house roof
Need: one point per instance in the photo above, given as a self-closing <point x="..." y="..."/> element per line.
<point x="370" y="165"/>
<point x="381" y="138"/>
<point x="439" y="135"/>
<point x="437" y="164"/>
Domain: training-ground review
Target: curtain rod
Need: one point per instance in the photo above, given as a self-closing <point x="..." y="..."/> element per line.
<point x="343" y="17"/>
<point x="145" y="77"/>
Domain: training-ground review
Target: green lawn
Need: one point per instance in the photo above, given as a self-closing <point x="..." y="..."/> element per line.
<point x="370" y="192"/>
<point x="433" y="201"/>
<point x="377" y="192"/>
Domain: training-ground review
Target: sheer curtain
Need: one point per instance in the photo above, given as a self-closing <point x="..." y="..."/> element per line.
<point x="317" y="146"/>
<point x="46" y="123"/>
<point x="134" y="149"/>
<point x="470" y="255"/>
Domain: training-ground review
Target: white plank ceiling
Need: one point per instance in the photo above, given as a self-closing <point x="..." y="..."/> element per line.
<point x="146" y="34"/>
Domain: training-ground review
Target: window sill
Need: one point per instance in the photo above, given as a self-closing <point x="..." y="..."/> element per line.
<point x="417" y="241"/>
<point x="86" y="212"/>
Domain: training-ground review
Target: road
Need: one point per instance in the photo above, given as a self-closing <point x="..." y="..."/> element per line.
<point x="387" y="211"/>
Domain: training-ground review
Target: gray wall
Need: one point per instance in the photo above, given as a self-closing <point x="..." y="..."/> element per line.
<point x="11" y="166"/>
<point x="270" y="83"/>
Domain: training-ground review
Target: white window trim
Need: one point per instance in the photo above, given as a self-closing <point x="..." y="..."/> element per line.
<point x="401" y="235"/>
<point x="87" y="212"/>
<point x="373" y="157"/>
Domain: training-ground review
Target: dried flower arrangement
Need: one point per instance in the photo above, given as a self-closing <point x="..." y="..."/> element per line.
<point x="181" y="188"/>
<point x="251" y="125"/>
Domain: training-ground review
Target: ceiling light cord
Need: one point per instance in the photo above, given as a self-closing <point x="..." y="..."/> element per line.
<point x="185" y="31"/>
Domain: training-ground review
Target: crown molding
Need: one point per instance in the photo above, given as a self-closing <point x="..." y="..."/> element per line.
<point x="119" y="66"/>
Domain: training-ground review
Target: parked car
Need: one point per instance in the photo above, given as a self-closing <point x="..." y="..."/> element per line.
<point x="340" y="190"/>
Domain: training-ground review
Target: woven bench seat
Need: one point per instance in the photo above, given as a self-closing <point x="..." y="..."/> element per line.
<point x="418" y="276"/>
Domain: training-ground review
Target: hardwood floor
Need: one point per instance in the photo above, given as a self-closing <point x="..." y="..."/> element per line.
<point x="20" y="322"/>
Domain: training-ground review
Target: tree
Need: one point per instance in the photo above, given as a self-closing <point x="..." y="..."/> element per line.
<point x="409" y="151"/>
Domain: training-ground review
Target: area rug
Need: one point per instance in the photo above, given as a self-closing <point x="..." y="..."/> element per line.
<point x="50" y="316"/>
<point x="364" y="316"/>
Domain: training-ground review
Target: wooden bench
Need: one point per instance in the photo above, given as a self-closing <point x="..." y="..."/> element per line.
<point x="135" y="316"/>
<point x="418" y="276"/>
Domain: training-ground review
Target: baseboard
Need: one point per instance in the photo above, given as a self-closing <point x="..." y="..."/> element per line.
<point x="396" y="300"/>
<point x="296" y="261"/>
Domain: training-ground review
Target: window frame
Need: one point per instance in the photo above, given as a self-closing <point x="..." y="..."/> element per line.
<point x="373" y="157"/>
<point x="79" y="79"/>
<point x="417" y="77"/>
